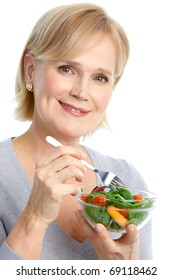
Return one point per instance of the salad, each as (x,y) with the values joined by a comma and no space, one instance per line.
(116,208)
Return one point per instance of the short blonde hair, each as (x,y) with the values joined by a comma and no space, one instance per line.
(60,34)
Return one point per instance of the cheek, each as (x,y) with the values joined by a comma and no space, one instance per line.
(102,100)
(48,84)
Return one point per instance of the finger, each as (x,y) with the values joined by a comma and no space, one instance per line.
(64,175)
(132,234)
(64,162)
(58,152)
(54,184)
(66,189)
(107,242)
(98,234)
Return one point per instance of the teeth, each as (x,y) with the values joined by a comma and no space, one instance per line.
(72,109)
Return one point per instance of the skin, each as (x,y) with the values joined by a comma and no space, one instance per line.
(76,94)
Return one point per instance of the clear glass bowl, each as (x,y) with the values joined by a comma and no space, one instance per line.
(116,209)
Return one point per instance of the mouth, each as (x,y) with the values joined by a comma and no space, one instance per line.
(74,110)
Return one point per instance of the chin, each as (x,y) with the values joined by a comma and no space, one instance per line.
(74,133)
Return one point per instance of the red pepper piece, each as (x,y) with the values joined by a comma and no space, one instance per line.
(98,189)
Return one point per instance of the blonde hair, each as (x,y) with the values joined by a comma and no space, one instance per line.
(60,34)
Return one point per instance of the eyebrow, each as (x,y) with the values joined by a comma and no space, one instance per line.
(105,71)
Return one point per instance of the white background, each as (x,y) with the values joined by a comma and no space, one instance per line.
(140,113)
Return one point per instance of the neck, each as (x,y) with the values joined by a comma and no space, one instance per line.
(36,138)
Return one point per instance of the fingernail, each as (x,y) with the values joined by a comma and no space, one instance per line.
(84,168)
(131,228)
(99,227)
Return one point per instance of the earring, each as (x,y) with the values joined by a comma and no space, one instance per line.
(29,87)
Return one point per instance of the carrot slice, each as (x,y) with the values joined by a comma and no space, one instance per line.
(117,216)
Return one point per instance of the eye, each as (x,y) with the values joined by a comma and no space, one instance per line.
(67,69)
(101,78)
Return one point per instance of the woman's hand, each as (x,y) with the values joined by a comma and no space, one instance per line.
(124,248)
(51,183)
(52,173)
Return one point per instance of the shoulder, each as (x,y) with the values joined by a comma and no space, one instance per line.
(6,153)
(7,163)
(4,159)
(5,145)
(121,167)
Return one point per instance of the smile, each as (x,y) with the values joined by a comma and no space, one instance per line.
(74,110)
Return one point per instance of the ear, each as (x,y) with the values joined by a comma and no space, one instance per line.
(29,67)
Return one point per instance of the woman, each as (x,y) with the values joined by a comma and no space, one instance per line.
(69,68)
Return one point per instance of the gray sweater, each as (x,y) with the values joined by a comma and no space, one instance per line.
(15,189)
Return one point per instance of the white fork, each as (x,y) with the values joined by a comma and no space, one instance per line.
(109,179)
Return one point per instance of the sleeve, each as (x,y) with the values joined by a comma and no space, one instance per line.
(6,253)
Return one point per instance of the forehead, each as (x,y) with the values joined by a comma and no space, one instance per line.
(99,51)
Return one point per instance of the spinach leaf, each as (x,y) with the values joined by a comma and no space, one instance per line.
(98,214)
(124,192)
(114,225)
(137,218)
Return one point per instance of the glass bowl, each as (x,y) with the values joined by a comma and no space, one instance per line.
(115,209)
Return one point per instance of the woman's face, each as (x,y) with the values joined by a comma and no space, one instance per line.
(71,96)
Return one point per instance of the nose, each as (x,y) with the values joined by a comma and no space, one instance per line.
(80,89)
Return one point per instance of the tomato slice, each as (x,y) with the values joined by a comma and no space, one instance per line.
(138,196)
(84,197)
(99,200)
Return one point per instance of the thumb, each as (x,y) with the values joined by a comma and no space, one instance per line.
(132,234)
